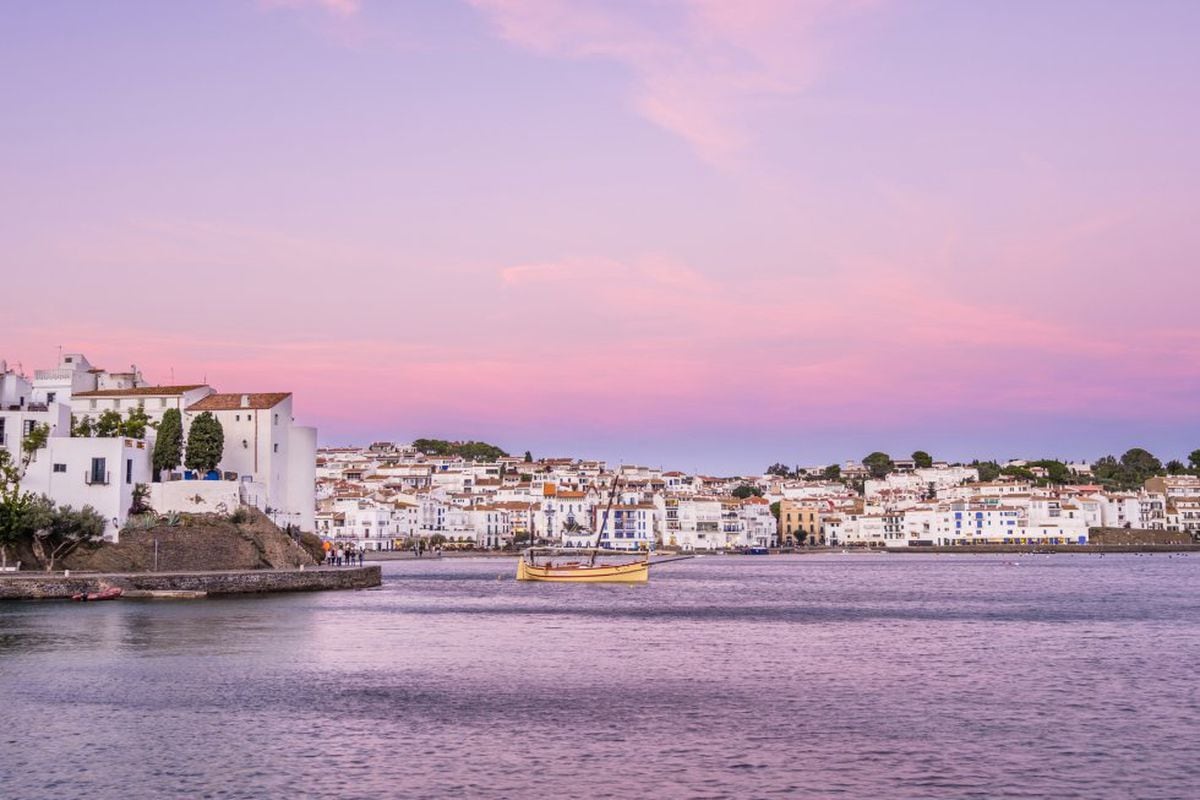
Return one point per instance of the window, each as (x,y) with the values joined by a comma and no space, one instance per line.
(50,396)
(276,448)
(60,467)
(99,471)
(117,403)
(91,403)
(162,402)
(141,403)
(28,426)
(237,417)
(276,419)
(129,470)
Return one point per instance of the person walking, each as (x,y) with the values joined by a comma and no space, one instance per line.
(360,558)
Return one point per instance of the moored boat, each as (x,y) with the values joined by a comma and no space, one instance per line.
(111,593)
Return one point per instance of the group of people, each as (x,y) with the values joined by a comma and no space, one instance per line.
(339,556)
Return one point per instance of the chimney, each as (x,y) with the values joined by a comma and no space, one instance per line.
(245,401)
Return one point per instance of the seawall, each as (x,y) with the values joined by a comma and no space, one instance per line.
(1038,549)
(56,585)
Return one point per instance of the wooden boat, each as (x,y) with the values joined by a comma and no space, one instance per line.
(528,568)
(111,593)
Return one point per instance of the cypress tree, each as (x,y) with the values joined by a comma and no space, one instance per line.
(168,448)
(205,443)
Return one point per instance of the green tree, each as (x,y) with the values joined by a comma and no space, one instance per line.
(779,470)
(477,451)
(832,473)
(205,443)
(1020,473)
(1108,472)
(1141,462)
(471,451)
(1194,460)
(139,501)
(746,490)
(528,457)
(134,426)
(34,440)
(878,464)
(21,512)
(83,427)
(1176,467)
(1056,471)
(432,447)
(988,470)
(67,529)
(922,459)
(109,424)
(168,447)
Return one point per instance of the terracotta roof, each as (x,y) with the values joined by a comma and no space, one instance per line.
(142,391)
(233,402)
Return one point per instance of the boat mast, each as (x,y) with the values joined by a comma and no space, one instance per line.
(612,495)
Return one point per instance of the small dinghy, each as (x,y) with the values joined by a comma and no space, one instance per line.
(111,593)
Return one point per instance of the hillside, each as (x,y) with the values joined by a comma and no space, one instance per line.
(199,542)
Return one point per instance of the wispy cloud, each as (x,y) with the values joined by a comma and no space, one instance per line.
(696,65)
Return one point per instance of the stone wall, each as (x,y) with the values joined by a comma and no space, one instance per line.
(47,586)
(1136,536)
(195,497)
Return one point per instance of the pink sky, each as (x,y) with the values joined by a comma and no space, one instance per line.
(690,233)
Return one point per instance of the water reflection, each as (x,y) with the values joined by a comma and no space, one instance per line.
(866,676)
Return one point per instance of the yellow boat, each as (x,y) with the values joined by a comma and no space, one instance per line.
(578,572)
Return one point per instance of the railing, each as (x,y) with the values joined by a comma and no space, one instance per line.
(92,479)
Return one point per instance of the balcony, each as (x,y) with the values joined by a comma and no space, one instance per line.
(95,479)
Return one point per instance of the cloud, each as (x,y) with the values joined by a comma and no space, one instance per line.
(697,66)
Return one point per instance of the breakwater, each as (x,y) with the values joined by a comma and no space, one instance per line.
(57,585)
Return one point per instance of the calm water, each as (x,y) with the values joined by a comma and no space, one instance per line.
(855,676)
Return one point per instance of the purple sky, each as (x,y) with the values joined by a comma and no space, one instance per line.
(706,235)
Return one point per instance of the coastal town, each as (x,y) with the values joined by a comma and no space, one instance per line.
(86,437)
(387,496)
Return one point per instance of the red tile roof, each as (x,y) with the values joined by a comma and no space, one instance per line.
(232,402)
(142,391)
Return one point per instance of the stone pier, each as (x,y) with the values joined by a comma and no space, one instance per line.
(57,585)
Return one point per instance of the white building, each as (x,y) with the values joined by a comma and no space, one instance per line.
(264,445)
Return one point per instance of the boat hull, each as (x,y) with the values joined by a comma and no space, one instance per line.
(638,572)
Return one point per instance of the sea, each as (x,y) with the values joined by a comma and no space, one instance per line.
(822,676)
